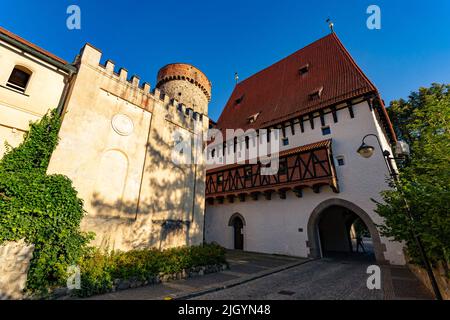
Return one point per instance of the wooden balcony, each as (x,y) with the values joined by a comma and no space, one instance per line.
(309,166)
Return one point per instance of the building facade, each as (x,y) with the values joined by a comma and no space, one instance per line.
(323,105)
(32,81)
(116,140)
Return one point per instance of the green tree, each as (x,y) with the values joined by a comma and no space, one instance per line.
(42,209)
(424,122)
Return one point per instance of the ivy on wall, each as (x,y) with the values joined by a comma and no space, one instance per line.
(42,209)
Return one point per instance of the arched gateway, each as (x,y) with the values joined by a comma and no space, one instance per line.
(324,211)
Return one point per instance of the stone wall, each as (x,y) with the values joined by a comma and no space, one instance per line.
(116,145)
(14,264)
(441,278)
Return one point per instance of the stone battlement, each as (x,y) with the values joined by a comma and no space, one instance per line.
(140,94)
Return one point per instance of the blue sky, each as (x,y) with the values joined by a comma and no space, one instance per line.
(412,49)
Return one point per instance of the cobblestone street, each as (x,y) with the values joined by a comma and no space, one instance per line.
(269,277)
(320,279)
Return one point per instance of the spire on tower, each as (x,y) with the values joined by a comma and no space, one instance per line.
(330,25)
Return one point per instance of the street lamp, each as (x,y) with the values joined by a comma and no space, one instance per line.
(402,151)
(366,151)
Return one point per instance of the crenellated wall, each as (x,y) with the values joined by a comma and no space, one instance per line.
(116,144)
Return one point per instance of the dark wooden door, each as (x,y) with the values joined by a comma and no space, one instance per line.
(238,234)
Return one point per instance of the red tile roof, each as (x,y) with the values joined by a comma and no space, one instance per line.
(31,45)
(280,92)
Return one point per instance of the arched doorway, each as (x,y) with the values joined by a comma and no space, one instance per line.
(332,231)
(237,222)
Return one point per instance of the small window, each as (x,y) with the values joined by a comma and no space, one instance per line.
(220,178)
(340,161)
(283,167)
(19,78)
(248,173)
(326,130)
(239,100)
(285,141)
(213,153)
(253,118)
(316,94)
(303,69)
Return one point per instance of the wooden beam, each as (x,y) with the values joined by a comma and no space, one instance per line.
(302,126)
(333,111)
(268,195)
(298,192)
(311,120)
(350,109)
(322,118)
(254,195)
(316,188)
(292,127)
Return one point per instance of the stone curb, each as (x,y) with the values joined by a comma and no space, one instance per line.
(125,284)
(236,282)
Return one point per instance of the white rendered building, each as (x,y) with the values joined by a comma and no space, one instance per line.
(323,105)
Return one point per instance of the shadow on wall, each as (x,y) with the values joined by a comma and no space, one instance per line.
(163,216)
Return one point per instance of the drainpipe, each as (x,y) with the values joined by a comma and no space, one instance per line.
(65,93)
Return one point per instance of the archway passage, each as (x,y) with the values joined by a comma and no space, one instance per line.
(339,228)
(340,238)
(238,227)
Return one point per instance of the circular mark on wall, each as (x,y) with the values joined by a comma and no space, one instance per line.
(122,124)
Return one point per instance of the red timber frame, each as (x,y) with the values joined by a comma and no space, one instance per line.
(302,167)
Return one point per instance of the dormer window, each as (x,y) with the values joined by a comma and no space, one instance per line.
(316,94)
(304,69)
(239,100)
(253,118)
(19,78)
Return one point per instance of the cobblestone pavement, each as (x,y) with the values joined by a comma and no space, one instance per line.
(330,279)
(263,276)
(244,266)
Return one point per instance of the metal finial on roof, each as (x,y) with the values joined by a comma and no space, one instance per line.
(236,77)
(330,25)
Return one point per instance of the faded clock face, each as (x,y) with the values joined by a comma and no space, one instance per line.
(122,124)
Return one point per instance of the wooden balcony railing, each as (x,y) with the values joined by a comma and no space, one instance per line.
(302,167)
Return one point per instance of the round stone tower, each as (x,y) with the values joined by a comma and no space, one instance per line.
(186,84)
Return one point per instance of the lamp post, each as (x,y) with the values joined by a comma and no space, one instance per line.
(366,151)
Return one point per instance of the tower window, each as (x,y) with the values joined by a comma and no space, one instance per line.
(285,141)
(19,78)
